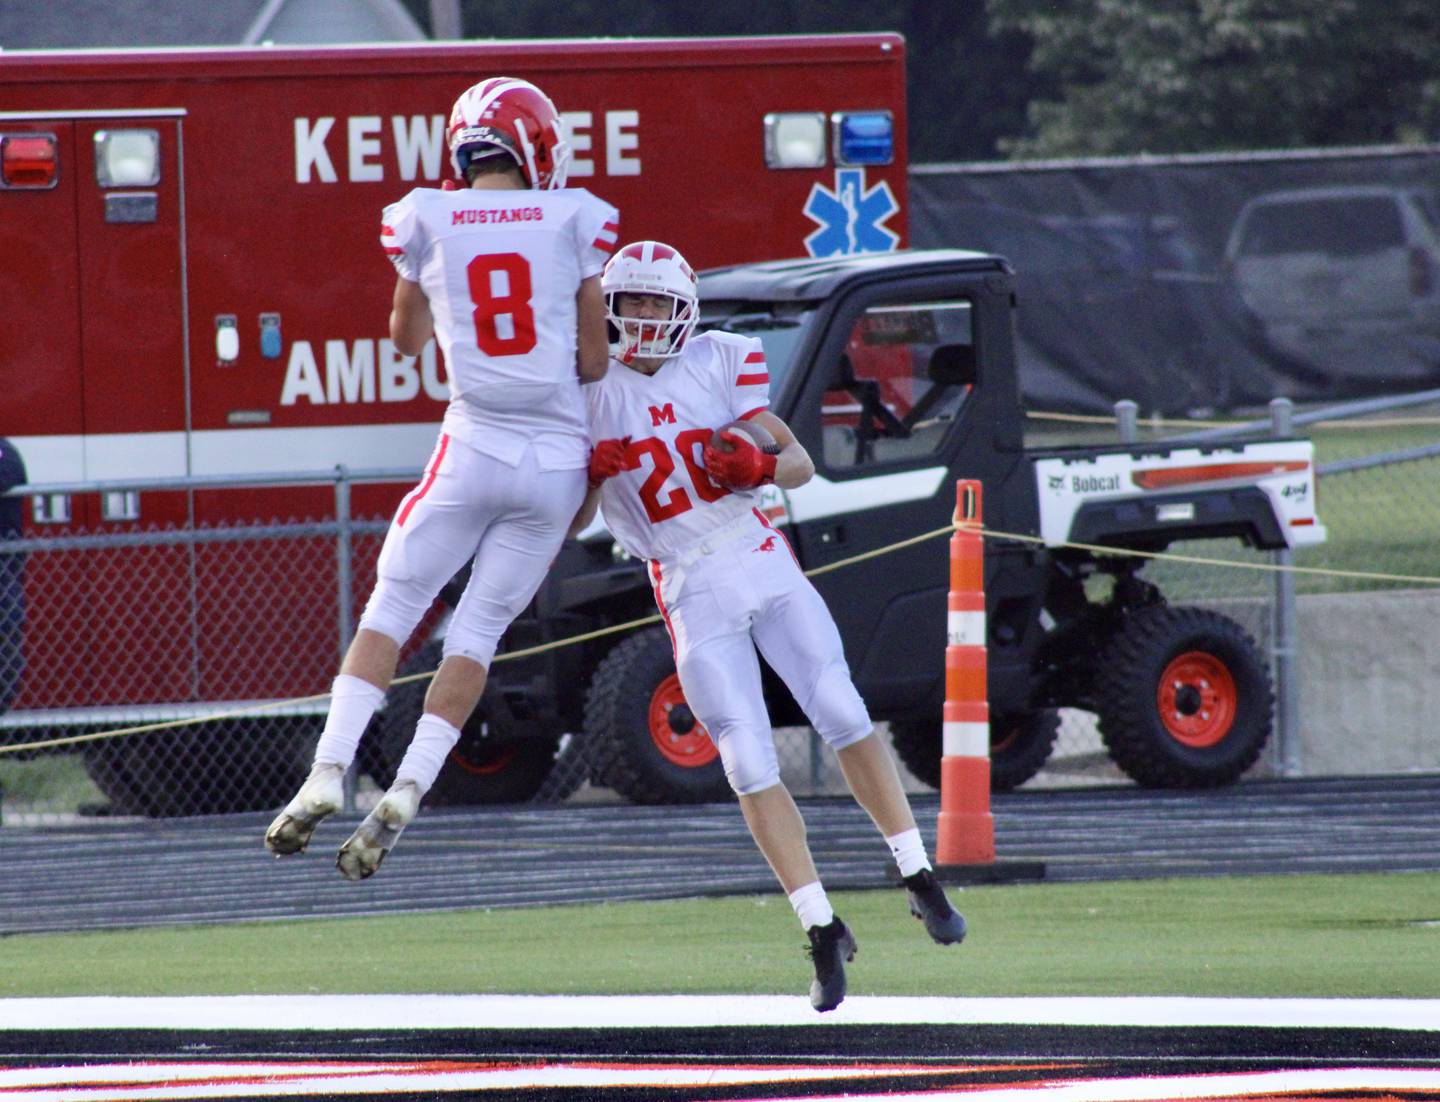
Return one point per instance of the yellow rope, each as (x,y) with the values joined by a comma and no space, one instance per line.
(251,709)
(955,524)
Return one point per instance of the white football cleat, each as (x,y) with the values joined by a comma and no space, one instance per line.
(322,794)
(376,836)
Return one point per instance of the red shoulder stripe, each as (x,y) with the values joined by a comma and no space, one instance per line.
(752,380)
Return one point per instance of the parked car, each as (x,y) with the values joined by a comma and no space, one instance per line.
(1345,279)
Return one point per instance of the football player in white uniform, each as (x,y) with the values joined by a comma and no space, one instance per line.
(726,582)
(506,274)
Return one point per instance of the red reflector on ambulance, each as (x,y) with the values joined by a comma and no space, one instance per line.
(28,160)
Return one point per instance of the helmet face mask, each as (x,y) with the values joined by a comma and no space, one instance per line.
(653,269)
(515,117)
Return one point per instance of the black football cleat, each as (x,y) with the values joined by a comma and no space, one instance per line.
(830,947)
(944,924)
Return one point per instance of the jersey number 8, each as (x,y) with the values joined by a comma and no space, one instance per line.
(500,289)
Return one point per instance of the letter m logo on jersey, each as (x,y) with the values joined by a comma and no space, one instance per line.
(851,218)
(662,415)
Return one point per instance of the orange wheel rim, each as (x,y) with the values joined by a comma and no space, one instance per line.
(1197,699)
(485,766)
(687,748)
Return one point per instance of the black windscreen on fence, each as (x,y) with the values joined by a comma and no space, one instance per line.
(1201,284)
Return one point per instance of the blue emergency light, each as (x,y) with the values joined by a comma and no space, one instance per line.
(863,137)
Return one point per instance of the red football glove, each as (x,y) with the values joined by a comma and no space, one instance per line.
(742,469)
(607,459)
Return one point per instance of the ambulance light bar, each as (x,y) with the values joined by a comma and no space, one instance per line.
(797,139)
(29,161)
(127,158)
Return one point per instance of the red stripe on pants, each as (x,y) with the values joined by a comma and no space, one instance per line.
(429,480)
(655,580)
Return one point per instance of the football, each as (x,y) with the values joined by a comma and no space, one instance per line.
(759,436)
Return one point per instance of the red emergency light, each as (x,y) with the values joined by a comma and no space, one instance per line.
(29,160)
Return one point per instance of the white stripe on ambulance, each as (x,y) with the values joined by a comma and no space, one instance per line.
(416,147)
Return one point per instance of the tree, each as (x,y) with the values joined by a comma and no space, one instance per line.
(967,88)
(1184,76)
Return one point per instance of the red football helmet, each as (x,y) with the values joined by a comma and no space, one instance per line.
(514,116)
(651,268)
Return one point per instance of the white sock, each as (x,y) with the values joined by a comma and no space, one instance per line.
(353,701)
(433,741)
(908,849)
(812,906)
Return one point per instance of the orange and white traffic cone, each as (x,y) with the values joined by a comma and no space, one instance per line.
(965,834)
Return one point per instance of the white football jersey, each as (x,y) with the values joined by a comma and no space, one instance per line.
(667,502)
(501,269)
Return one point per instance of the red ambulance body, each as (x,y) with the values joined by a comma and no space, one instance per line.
(192,285)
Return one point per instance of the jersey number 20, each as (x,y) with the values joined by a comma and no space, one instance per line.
(688,445)
(500,289)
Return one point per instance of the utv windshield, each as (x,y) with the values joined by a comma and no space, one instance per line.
(780,334)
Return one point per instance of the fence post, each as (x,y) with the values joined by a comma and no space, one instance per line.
(1283,632)
(344,588)
(1127,415)
(344,564)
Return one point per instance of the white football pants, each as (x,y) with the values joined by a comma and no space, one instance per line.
(511,519)
(740,588)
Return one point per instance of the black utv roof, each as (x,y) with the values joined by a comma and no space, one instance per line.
(812,278)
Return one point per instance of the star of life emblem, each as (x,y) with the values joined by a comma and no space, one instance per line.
(851,217)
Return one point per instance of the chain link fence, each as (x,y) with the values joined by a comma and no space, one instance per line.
(107,631)
(155,625)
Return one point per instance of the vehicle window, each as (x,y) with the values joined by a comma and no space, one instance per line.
(780,335)
(1337,227)
(892,397)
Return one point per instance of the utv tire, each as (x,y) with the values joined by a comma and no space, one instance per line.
(481,769)
(205,769)
(918,745)
(640,735)
(1020,745)
(1184,698)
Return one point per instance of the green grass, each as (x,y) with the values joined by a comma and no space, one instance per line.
(57,782)
(1353,936)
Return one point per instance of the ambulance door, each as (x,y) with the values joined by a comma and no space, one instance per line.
(41,401)
(130,270)
(40,300)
